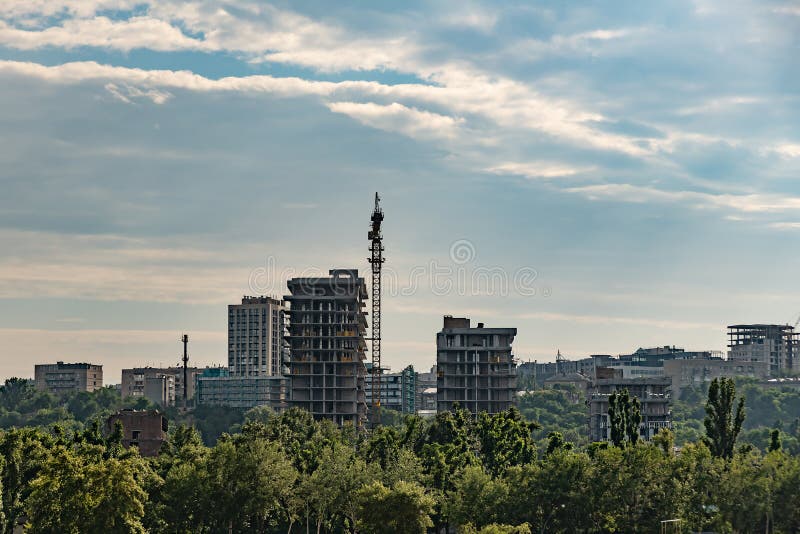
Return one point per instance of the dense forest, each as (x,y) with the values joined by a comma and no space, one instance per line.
(286,472)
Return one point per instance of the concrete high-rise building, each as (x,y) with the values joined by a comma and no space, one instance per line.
(255,337)
(654,401)
(775,344)
(327,324)
(475,367)
(59,378)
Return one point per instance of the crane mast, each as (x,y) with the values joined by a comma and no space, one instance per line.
(376,260)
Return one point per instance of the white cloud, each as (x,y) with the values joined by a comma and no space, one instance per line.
(137,32)
(747,203)
(399,118)
(128,92)
(537,169)
(787,150)
(785,225)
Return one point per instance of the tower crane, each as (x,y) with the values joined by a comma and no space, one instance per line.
(376,260)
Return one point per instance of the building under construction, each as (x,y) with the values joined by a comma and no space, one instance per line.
(774,344)
(475,367)
(327,324)
(654,403)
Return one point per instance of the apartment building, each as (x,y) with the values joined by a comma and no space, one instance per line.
(60,378)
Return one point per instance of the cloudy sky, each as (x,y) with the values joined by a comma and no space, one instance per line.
(600,175)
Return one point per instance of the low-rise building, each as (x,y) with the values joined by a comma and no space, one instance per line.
(143,429)
(134,380)
(60,378)
(243,391)
(654,399)
(685,373)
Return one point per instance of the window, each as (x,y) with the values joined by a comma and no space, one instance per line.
(136,434)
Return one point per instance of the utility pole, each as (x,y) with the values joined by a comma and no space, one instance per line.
(185,340)
(376,260)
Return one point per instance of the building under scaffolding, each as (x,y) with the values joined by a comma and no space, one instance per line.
(327,324)
(774,344)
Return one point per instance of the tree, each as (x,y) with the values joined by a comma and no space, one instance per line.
(555,442)
(775,440)
(331,489)
(14,391)
(505,440)
(402,509)
(476,499)
(624,418)
(721,423)
(76,493)
(246,479)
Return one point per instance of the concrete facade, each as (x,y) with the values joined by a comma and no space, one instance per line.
(685,373)
(475,367)
(60,378)
(774,344)
(134,381)
(327,324)
(654,398)
(255,337)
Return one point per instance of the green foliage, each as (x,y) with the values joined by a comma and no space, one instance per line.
(624,417)
(562,410)
(76,493)
(286,472)
(404,508)
(722,424)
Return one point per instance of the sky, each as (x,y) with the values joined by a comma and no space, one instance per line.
(602,176)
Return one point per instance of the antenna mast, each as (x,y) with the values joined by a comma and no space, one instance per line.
(376,260)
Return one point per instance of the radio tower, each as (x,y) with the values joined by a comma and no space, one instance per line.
(376,260)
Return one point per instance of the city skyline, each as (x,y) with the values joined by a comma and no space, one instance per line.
(163,159)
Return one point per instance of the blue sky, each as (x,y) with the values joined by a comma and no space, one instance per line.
(615,174)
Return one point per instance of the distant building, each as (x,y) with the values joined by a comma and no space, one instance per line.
(398,390)
(575,383)
(685,373)
(562,366)
(475,367)
(143,429)
(426,393)
(255,337)
(160,389)
(60,378)
(654,398)
(134,381)
(774,344)
(327,324)
(243,391)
